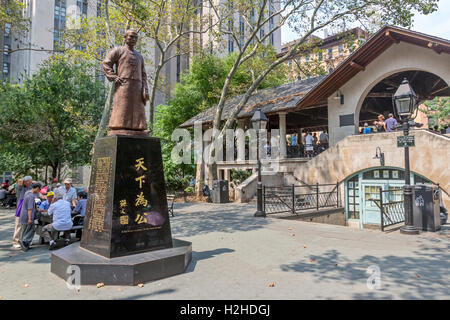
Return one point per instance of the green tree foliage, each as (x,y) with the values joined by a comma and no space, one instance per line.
(11,14)
(52,119)
(199,89)
(439,109)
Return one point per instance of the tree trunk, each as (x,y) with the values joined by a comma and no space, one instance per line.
(199,179)
(153,92)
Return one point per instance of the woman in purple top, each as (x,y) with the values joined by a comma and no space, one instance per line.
(23,185)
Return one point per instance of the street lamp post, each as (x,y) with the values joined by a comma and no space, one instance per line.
(405,103)
(259,122)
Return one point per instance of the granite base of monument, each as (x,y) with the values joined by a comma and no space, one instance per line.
(126,270)
(126,237)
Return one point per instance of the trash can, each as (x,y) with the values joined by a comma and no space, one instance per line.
(220,191)
(426,207)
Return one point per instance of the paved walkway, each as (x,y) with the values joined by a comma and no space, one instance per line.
(236,256)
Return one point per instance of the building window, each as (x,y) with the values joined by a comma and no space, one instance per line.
(230,45)
(261,33)
(82,6)
(6,49)
(5,69)
(271,11)
(320,56)
(341,49)
(59,23)
(353,197)
(330,53)
(330,70)
(272,41)
(99,8)
(178,63)
(7,29)
(241,30)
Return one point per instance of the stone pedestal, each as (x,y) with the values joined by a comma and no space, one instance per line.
(126,270)
(126,216)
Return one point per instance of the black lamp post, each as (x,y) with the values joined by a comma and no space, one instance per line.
(259,122)
(405,103)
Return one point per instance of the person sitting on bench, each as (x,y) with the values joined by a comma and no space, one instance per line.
(81,207)
(62,220)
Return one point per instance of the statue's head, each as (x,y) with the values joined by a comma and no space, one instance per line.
(131,37)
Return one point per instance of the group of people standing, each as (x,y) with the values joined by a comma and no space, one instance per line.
(56,201)
(312,145)
(381,125)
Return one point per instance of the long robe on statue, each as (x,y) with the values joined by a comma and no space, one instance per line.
(129,104)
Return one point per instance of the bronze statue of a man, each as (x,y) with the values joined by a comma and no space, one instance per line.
(131,90)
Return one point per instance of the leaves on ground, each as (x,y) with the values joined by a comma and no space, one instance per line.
(292,234)
(271,284)
(26,285)
(140,285)
(419,276)
(101,284)
(119,289)
(313,260)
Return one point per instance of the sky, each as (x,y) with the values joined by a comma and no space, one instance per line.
(435,24)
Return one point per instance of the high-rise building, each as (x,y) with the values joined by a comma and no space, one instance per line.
(49,19)
(5,57)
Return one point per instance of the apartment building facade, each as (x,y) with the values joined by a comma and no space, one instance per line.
(324,54)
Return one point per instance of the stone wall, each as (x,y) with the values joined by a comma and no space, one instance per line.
(333,216)
(429,158)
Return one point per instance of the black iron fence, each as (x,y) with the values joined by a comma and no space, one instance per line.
(391,204)
(294,198)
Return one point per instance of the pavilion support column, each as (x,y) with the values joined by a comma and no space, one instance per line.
(240,142)
(228,175)
(282,126)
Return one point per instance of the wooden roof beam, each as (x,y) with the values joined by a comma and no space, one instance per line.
(439,90)
(379,95)
(356,65)
(390,36)
(435,47)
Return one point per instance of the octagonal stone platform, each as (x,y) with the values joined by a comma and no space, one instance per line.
(127,270)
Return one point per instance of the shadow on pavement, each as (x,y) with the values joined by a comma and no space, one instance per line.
(218,218)
(203,255)
(424,275)
(149,295)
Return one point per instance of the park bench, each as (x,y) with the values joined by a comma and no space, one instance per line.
(77,229)
(170,200)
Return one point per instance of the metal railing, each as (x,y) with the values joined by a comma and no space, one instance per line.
(294,199)
(392,210)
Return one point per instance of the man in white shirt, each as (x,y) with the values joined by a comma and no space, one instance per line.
(62,220)
(69,193)
(309,139)
(309,148)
